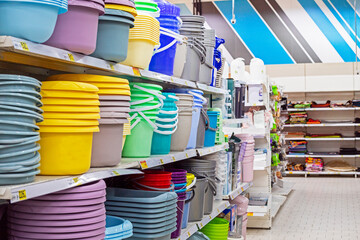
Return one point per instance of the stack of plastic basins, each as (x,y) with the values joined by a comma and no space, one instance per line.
(35,13)
(146,101)
(19,112)
(166,125)
(179,180)
(113,35)
(199,100)
(77,29)
(117,228)
(202,168)
(114,94)
(153,180)
(71,113)
(248,162)
(75,213)
(153,214)
(164,57)
(242,204)
(180,137)
(217,229)
(210,133)
(190,178)
(193,28)
(142,40)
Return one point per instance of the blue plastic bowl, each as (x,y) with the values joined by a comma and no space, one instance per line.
(18,168)
(12,77)
(18,147)
(13,109)
(154,225)
(12,137)
(19,98)
(170,225)
(119,236)
(141,215)
(24,107)
(33,21)
(28,162)
(19,156)
(19,86)
(18,178)
(116,225)
(21,117)
(25,92)
(17,126)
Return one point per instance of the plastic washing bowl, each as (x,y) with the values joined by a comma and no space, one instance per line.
(18,178)
(115,225)
(19,86)
(119,236)
(140,206)
(6,149)
(28,162)
(28,20)
(21,117)
(17,126)
(12,77)
(19,156)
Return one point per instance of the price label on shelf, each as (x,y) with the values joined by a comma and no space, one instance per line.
(250,214)
(115,173)
(136,72)
(161,161)
(71,57)
(143,164)
(21,46)
(173,158)
(22,195)
(189,234)
(242,189)
(187,155)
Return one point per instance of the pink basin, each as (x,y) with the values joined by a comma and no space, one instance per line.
(49,236)
(101,236)
(73,196)
(54,210)
(41,203)
(91,187)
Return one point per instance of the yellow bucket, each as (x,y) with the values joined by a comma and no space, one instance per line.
(68,122)
(88,78)
(123,8)
(76,109)
(139,53)
(69,86)
(63,115)
(65,153)
(69,129)
(189,178)
(68,94)
(69,101)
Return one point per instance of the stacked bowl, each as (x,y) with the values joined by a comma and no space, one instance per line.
(113,34)
(193,29)
(146,101)
(153,214)
(217,229)
(248,161)
(114,94)
(77,29)
(75,213)
(32,20)
(180,138)
(117,228)
(19,112)
(154,180)
(206,68)
(71,113)
(142,41)
(164,57)
(123,5)
(166,125)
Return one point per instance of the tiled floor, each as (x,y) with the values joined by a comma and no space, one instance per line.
(317,209)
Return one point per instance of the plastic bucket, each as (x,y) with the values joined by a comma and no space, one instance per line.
(189,196)
(247,171)
(107,145)
(76,30)
(138,144)
(139,53)
(113,38)
(180,138)
(197,204)
(163,60)
(200,138)
(194,128)
(210,133)
(179,216)
(205,75)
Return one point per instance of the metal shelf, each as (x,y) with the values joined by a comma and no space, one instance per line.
(243,187)
(324,125)
(38,56)
(323,139)
(323,156)
(210,150)
(323,109)
(320,173)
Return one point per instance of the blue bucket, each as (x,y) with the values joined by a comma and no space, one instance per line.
(163,62)
(210,134)
(185,219)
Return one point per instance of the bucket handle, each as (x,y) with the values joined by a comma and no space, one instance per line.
(173,97)
(169,33)
(166,132)
(169,112)
(138,120)
(192,184)
(168,119)
(192,196)
(146,108)
(197,48)
(142,101)
(160,96)
(207,123)
(199,96)
(168,125)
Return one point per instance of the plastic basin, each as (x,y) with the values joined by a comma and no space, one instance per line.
(33,21)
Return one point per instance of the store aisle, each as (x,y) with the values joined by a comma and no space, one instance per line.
(317,209)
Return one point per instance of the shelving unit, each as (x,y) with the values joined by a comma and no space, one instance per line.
(321,173)
(324,125)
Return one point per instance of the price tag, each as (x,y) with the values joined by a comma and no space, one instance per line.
(171,80)
(143,164)
(187,155)
(161,161)
(115,173)
(201,225)
(22,195)
(71,57)
(186,83)
(24,46)
(250,214)
(242,189)
(136,72)
(75,179)
(189,234)
(173,158)
(290,172)
(210,217)
(112,67)
(218,210)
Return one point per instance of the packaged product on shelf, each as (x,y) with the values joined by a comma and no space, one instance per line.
(314,164)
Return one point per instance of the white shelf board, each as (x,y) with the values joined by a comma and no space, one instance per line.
(276,203)
(323,109)
(19,51)
(188,232)
(284,191)
(210,150)
(323,156)
(243,187)
(219,206)
(323,139)
(320,173)
(324,125)
(49,184)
